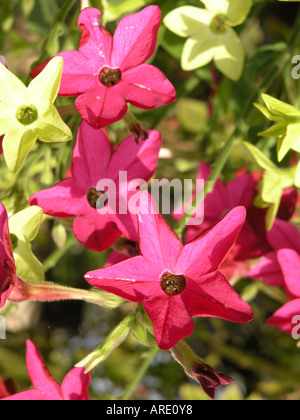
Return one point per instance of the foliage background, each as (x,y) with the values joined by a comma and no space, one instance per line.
(264,361)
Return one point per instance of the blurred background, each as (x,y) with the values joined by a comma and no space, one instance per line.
(264,362)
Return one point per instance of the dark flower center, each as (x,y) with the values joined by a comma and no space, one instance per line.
(27,115)
(218,24)
(110,77)
(93,196)
(172,284)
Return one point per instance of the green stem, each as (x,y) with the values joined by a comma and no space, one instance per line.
(140,373)
(277,68)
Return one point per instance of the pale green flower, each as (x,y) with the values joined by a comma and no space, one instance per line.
(286,127)
(27,114)
(210,34)
(275,180)
(23,228)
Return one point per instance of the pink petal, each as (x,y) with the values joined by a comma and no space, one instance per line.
(79,75)
(8,277)
(1,140)
(75,385)
(268,271)
(102,106)
(214,297)
(171,319)
(63,200)
(158,243)
(138,160)
(204,255)
(146,87)
(284,317)
(95,231)
(96,42)
(133,279)
(39,374)
(284,235)
(289,261)
(135,38)
(32,395)
(204,171)
(91,157)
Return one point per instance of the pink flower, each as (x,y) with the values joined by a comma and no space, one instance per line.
(73,388)
(109,72)
(3,62)
(282,269)
(268,270)
(93,161)
(289,261)
(176,282)
(8,276)
(241,191)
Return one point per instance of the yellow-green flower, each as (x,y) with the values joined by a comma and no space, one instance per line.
(23,228)
(27,114)
(275,180)
(210,34)
(286,127)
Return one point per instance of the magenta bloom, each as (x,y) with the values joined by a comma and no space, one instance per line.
(94,160)
(8,276)
(109,72)
(241,191)
(176,282)
(73,388)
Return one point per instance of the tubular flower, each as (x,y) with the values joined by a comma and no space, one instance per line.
(210,34)
(9,281)
(109,72)
(176,282)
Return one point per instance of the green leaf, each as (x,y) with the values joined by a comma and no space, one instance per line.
(25,226)
(114,9)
